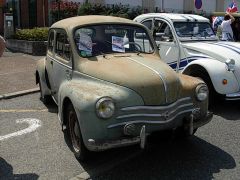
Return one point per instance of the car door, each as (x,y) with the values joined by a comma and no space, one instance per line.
(168,46)
(62,64)
(49,60)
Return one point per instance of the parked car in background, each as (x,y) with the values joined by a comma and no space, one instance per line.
(189,45)
(111,89)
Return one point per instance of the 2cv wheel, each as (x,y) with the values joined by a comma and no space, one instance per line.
(75,135)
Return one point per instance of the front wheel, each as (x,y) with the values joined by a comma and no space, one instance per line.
(75,135)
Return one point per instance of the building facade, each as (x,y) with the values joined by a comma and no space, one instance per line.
(26,13)
(37,13)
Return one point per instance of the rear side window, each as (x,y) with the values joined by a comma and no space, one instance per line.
(62,47)
(148,24)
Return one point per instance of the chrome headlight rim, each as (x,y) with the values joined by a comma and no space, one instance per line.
(201,92)
(105,107)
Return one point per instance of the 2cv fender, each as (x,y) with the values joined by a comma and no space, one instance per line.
(214,73)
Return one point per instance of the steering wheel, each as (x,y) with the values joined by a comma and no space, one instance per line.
(137,47)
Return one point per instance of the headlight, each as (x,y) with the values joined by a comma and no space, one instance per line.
(201,92)
(230,64)
(105,107)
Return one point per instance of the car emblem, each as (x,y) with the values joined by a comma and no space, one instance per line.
(165,115)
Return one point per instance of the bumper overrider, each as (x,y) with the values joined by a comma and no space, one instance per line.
(140,121)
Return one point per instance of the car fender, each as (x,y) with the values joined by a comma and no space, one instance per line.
(83,94)
(40,76)
(217,72)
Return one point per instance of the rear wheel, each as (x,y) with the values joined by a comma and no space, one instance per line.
(46,99)
(75,135)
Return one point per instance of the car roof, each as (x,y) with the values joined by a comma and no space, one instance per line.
(72,22)
(175,17)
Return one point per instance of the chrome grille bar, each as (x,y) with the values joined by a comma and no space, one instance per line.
(153,114)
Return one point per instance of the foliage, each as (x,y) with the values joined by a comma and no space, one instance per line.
(63,9)
(114,10)
(36,34)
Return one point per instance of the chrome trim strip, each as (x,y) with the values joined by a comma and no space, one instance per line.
(153,107)
(59,62)
(164,83)
(154,115)
(149,122)
(233,96)
(94,145)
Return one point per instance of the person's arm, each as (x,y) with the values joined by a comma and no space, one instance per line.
(232,18)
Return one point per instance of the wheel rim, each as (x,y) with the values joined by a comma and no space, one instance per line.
(74,131)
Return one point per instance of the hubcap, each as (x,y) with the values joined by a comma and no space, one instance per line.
(74,131)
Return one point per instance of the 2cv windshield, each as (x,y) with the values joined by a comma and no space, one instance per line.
(108,39)
(194,30)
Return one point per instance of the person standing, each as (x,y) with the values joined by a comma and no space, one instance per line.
(227,32)
(2,45)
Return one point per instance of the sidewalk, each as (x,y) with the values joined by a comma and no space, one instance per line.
(17,74)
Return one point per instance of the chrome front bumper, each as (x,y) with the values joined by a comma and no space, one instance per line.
(100,145)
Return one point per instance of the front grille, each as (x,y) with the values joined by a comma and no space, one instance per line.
(154,114)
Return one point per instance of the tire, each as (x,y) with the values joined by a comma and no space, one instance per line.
(74,134)
(212,93)
(46,99)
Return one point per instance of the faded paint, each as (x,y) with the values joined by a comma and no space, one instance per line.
(129,79)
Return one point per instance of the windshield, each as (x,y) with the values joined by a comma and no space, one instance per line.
(194,30)
(106,39)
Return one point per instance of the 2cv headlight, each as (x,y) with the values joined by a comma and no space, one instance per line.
(105,107)
(201,92)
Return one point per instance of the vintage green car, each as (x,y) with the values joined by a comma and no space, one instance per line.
(111,89)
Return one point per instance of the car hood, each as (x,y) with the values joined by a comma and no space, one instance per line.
(219,50)
(151,78)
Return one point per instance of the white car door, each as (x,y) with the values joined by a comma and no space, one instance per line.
(168,46)
(62,67)
(50,61)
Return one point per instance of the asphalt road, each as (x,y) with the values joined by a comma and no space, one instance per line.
(32,146)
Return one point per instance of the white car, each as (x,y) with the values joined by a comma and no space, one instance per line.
(189,45)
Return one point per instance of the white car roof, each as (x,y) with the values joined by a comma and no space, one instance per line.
(173,17)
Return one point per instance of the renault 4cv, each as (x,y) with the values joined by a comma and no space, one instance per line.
(111,89)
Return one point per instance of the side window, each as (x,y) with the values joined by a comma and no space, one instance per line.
(50,41)
(162,31)
(62,47)
(148,24)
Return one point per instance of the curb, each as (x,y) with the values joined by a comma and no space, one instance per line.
(19,93)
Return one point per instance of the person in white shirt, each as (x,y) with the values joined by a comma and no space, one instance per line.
(227,32)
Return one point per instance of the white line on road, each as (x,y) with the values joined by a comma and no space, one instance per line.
(33,125)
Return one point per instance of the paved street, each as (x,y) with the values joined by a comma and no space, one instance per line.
(17,72)
(40,152)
